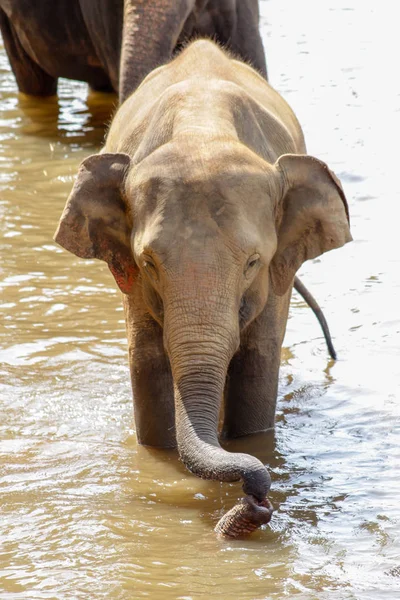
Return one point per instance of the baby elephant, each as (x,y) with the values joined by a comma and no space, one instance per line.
(204,204)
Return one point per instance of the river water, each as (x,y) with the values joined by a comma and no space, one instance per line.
(85,512)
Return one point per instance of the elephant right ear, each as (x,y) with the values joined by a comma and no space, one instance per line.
(313,216)
(96,222)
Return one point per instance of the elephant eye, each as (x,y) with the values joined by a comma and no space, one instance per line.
(148,264)
(252,263)
(150,267)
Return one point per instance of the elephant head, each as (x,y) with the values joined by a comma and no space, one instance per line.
(207,242)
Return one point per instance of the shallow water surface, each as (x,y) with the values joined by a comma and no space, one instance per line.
(85,512)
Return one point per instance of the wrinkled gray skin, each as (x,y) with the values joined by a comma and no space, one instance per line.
(114,44)
(204,204)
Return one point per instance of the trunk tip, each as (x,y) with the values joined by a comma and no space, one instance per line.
(256,484)
(244,518)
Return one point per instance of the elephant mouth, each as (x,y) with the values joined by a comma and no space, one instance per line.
(245,517)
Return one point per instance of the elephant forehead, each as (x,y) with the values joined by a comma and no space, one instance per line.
(224,193)
(200,161)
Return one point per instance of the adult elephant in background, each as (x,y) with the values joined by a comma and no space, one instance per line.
(114,44)
(204,204)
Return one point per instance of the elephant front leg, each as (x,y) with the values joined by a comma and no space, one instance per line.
(252,383)
(152,386)
(246,40)
(30,77)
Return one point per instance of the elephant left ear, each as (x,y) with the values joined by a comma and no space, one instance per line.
(96,222)
(313,216)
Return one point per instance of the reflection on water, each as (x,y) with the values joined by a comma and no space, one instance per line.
(86,513)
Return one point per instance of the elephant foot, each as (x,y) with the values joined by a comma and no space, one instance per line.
(244,518)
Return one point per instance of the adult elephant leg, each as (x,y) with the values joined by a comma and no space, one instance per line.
(246,40)
(252,383)
(30,77)
(103,20)
(150,33)
(152,386)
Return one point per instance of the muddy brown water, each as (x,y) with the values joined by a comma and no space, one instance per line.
(85,512)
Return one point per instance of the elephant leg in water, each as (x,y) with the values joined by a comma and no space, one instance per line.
(254,370)
(31,78)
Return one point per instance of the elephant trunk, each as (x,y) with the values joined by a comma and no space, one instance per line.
(197,402)
(151,30)
(199,368)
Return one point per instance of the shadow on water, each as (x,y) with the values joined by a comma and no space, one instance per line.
(69,119)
